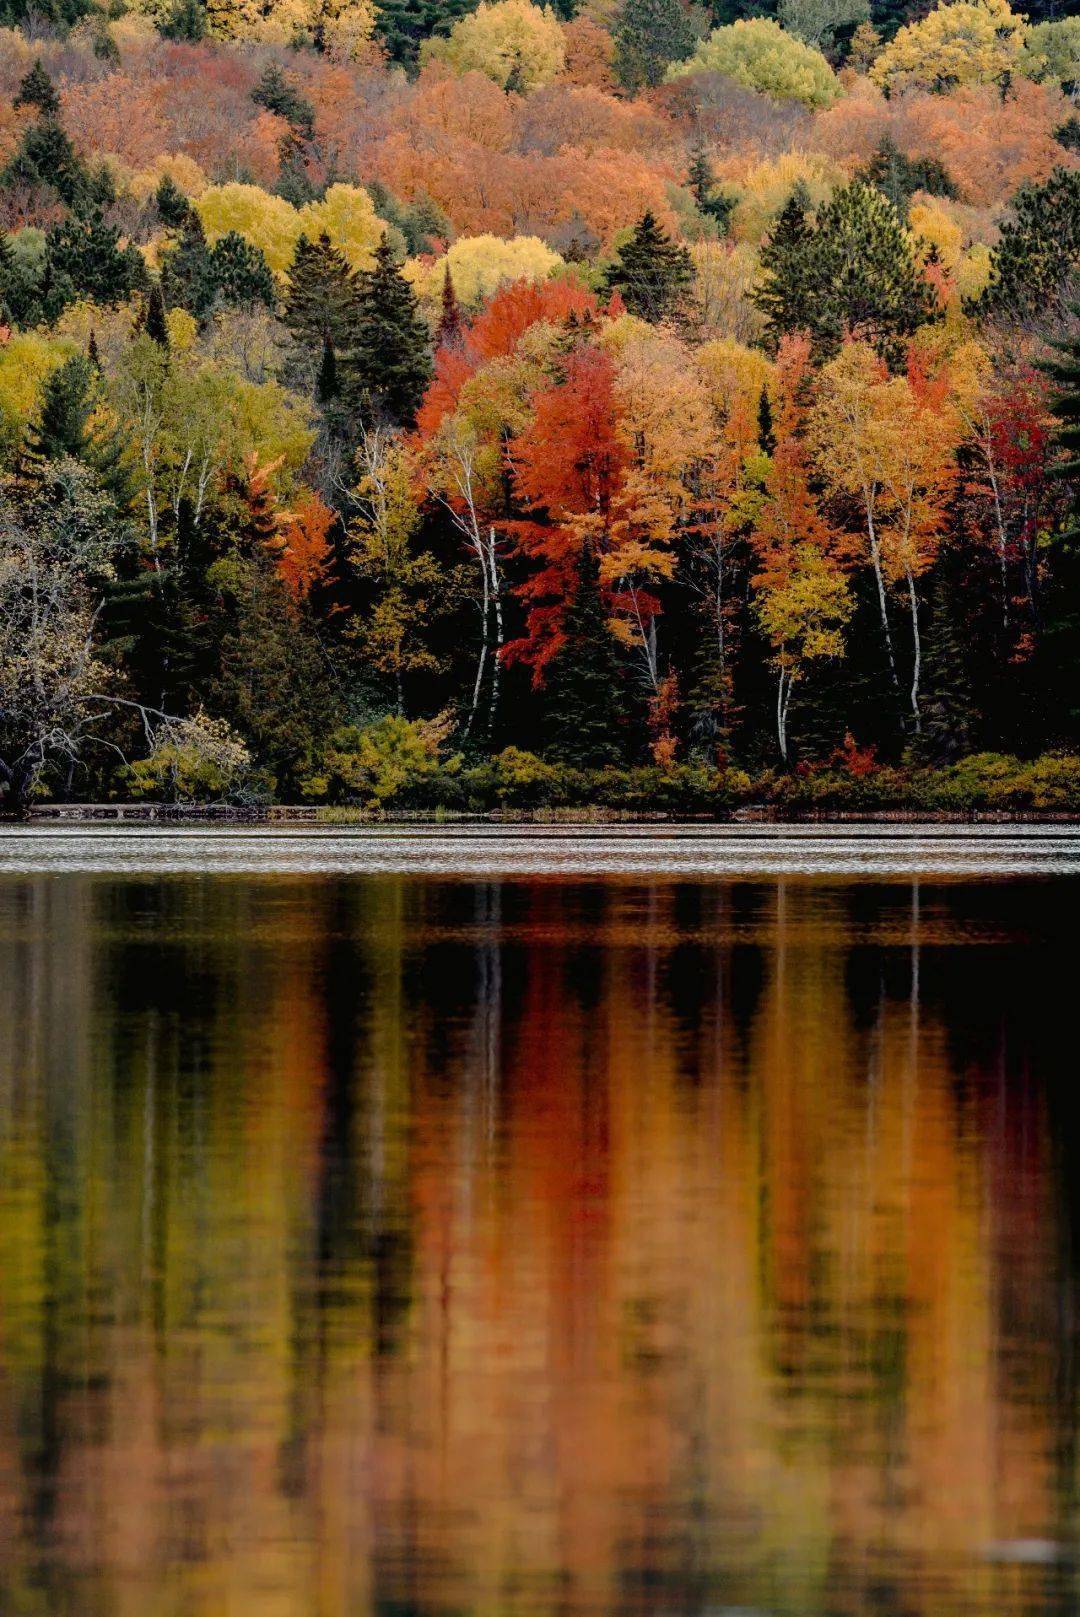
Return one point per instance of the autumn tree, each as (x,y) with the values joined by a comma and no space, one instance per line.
(964,42)
(584,709)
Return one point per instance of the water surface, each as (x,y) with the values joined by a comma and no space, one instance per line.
(535,1245)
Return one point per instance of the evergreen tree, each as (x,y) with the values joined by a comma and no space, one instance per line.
(388,363)
(854,270)
(278,94)
(899,177)
(37,90)
(187,279)
(154,321)
(1068,134)
(1064,371)
(402,25)
(171,203)
(321,304)
(1038,254)
(240,277)
(63,430)
(653,273)
(649,36)
(45,160)
(584,711)
(448,332)
(83,259)
(766,436)
(186,21)
(421,223)
(701,182)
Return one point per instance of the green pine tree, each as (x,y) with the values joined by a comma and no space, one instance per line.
(701,183)
(64,430)
(853,271)
(653,273)
(403,25)
(1064,371)
(84,259)
(239,274)
(898,177)
(279,94)
(186,21)
(388,362)
(187,276)
(448,332)
(649,36)
(154,322)
(1038,252)
(37,90)
(320,296)
(583,708)
(171,203)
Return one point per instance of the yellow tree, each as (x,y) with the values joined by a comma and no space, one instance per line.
(406,581)
(967,42)
(890,443)
(802,599)
(802,610)
(519,45)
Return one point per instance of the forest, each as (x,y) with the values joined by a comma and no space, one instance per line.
(631,403)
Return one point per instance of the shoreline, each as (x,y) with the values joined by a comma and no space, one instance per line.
(309,816)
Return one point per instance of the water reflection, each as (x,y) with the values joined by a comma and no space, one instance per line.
(416,1247)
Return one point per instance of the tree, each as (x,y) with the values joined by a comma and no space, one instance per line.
(448,332)
(155,321)
(58,547)
(584,709)
(898,177)
(802,608)
(403,25)
(409,585)
(821,22)
(701,183)
(279,94)
(649,36)
(855,271)
(757,52)
(517,44)
(652,272)
(1065,373)
(388,363)
(321,306)
(84,259)
(481,264)
(37,90)
(239,274)
(171,203)
(1038,253)
(965,42)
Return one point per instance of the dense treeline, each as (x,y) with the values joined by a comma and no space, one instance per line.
(434,403)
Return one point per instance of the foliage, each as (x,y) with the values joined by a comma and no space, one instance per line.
(758,53)
(1039,250)
(963,42)
(517,44)
(649,36)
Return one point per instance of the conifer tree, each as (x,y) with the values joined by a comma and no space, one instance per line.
(240,277)
(171,203)
(187,280)
(321,296)
(278,94)
(186,21)
(402,25)
(37,90)
(649,36)
(1039,250)
(583,707)
(388,364)
(899,177)
(1064,371)
(449,329)
(701,183)
(83,258)
(63,430)
(154,321)
(653,273)
(853,271)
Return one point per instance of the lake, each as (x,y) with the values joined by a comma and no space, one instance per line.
(539,1224)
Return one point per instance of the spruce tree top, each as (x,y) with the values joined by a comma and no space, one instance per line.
(652,273)
(37,90)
